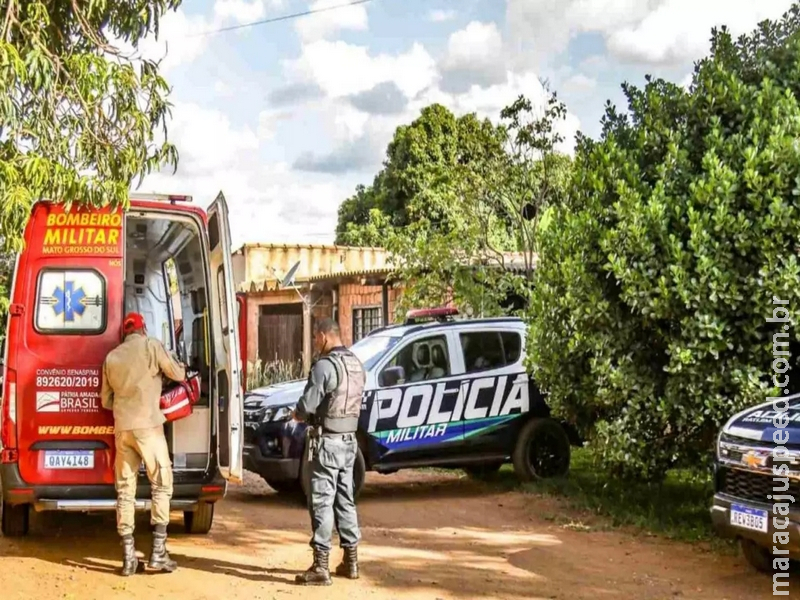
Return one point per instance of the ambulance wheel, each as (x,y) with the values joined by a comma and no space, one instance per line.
(15,519)
(542,451)
(359,474)
(759,558)
(199,521)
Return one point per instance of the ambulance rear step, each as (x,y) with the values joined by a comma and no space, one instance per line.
(92,505)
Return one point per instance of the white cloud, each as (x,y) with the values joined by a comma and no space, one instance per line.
(223,89)
(323,24)
(269,202)
(342,69)
(240,11)
(475,54)
(579,83)
(339,136)
(207,140)
(440,16)
(178,41)
(541,29)
(642,31)
(669,36)
(594,63)
(180,38)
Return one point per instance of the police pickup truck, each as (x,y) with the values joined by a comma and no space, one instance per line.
(447,394)
(757,482)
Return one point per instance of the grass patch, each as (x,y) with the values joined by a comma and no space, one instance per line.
(260,374)
(677,509)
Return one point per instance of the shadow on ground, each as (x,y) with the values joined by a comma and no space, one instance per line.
(449,536)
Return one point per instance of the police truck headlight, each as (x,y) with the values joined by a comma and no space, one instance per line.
(283,413)
(278,414)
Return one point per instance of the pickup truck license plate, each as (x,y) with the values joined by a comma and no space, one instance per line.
(749,518)
(69,459)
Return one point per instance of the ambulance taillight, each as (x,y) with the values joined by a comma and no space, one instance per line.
(8,425)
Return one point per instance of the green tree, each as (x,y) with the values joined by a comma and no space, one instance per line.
(78,118)
(656,277)
(6,274)
(419,161)
(472,213)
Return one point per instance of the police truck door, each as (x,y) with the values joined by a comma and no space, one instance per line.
(228,401)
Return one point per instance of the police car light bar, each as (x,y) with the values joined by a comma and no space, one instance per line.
(173,198)
(438,314)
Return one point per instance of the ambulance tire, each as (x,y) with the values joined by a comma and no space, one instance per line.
(542,451)
(359,474)
(15,519)
(199,521)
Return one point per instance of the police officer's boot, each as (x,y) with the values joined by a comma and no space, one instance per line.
(318,573)
(349,565)
(159,557)
(130,564)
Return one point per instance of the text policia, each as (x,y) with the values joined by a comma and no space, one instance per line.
(82,233)
(780,455)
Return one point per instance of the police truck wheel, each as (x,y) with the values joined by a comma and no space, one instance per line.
(15,519)
(199,521)
(759,558)
(359,475)
(542,451)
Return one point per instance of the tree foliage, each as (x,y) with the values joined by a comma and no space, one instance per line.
(78,118)
(658,274)
(419,162)
(456,195)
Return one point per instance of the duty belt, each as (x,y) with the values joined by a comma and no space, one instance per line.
(314,434)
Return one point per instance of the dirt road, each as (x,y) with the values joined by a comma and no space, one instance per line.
(426,535)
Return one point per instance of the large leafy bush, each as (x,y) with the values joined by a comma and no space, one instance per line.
(658,274)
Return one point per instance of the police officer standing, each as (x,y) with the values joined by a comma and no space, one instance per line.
(331,405)
(131,388)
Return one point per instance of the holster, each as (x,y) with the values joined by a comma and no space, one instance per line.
(313,442)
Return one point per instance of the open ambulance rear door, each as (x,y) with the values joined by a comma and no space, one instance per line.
(228,396)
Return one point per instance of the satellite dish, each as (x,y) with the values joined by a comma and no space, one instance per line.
(288,281)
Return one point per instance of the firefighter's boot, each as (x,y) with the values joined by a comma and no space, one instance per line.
(130,564)
(349,565)
(159,557)
(318,573)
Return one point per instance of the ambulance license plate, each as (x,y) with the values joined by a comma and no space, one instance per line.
(69,459)
(749,518)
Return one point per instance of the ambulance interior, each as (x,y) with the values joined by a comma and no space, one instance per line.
(165,282)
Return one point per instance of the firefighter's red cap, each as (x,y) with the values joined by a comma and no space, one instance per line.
(132,322)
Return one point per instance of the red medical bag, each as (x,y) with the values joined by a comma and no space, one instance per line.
(178,400)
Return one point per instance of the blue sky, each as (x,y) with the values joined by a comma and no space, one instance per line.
(287,118)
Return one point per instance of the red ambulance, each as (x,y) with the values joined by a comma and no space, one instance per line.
(80,272)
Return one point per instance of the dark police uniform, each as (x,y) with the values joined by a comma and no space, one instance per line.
(331,403)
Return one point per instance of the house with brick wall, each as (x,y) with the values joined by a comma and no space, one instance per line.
(352,285)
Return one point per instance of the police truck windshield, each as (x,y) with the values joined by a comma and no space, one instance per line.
(371,348)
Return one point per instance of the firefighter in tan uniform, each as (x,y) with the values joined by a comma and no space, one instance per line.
(132,389)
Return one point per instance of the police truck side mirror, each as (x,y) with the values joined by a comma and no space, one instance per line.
(392,376)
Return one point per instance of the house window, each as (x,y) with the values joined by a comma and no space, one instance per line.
(365,319)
